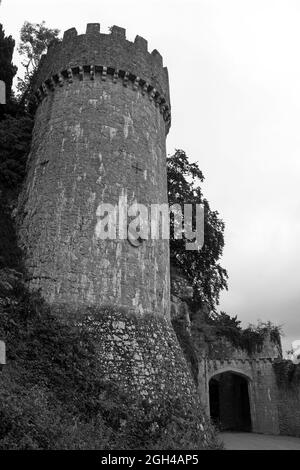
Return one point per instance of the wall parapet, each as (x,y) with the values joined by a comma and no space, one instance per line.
(113,49)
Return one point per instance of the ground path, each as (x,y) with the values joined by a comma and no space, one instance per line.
(252,441)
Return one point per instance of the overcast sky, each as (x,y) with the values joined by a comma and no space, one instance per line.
(234,68)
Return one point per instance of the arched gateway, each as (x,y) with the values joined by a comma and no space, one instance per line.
(229,403)
(239,393)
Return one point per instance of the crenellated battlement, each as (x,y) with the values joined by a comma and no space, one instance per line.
(116,33)
(100,133)
(113,51)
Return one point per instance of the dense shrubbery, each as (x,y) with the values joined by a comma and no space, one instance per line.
(250,339)
(15,140)
(287,374)
(52,395)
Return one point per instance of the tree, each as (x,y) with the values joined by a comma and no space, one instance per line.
(15,125)
(7,69)
(34,40)
(200,267)
(15,140)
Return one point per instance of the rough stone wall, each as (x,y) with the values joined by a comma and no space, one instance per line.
(143,356)
(98,135)
(288,397)
(100,130)
(262,388)
(219,355)
(111,50)
(181,291)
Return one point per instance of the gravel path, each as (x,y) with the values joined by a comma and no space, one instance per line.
(252,441)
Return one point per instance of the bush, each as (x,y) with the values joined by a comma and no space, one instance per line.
(52,395)
(250,339)
(15,141)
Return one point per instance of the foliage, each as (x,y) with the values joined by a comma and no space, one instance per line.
(10,254)
(34,40)
(251,339)
(51,392)
(35,37)
(201,267)
(15,125)
(15,141)
(52,395)
(287,374)
(262,329)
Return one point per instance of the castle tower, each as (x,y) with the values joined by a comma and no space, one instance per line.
(99,135)
(102,118)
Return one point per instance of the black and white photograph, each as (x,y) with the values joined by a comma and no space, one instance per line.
(149,229)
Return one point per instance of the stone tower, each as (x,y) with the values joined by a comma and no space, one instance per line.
(100,128)
(103,113)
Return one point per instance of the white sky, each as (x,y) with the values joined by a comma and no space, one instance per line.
(234,68)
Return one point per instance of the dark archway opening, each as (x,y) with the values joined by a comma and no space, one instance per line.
(229,402)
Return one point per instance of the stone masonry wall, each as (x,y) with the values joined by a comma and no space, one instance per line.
(102,117)
(288,397)
(142,356)
(262,388)
(97,137)
(218,355)
(111,50)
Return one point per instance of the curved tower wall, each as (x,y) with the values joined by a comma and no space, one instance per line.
(100,128)
(102,116)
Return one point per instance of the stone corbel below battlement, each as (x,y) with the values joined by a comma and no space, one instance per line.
(92,71)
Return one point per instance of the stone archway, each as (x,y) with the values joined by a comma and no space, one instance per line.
(229,400)
(261,386)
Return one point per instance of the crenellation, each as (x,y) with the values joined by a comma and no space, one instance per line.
(111,50)
(118,32)
(141,43)
(69,35)
(93,29)
(157,56)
